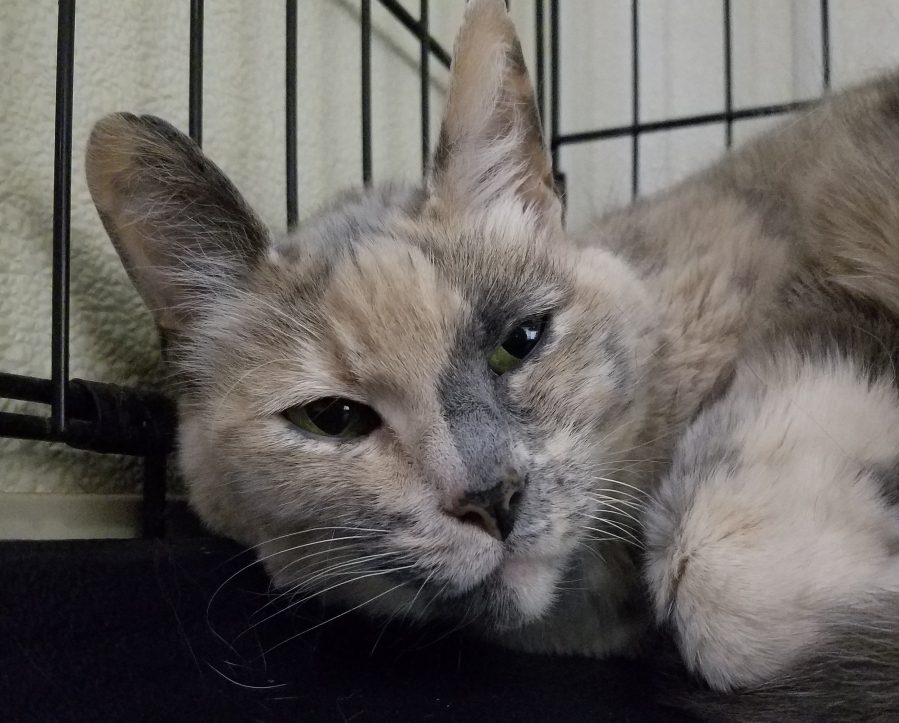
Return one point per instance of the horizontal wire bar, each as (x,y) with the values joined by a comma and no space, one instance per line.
(26,389)
(102,417)
(26,426)
(40,429)
(697,120)
(411,24)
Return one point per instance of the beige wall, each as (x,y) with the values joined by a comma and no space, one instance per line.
(132,55)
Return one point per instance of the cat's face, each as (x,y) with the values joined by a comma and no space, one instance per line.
(405,321)
(413,400)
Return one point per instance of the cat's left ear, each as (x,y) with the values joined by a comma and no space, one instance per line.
(491,146)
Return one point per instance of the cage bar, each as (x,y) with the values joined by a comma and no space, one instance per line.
(365,23)
(728,79)
(685,122)
(101,417)
(825,45)
(635,109)
(25,426)
(540,61)
(195,87)
(411,24)
(555,93)
(62,211)
(290,103)
(425,70)
(153,503)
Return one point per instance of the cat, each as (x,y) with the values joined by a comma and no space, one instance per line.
(436,401)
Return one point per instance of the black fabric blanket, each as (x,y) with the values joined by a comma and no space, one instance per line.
(161,631)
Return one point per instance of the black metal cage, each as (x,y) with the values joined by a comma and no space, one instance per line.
(105,418)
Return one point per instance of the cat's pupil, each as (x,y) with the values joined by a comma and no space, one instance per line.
(331,415)
(524,338)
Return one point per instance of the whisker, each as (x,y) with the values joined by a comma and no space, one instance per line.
(638,501)
(610,501)
(335,617)
(244,685)
(624,484)
(422,587)
(259,560)
(610,536)
(332,570)
(306,598)
(624,529)
(612,511)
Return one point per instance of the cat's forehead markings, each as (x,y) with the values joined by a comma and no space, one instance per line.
(392,316)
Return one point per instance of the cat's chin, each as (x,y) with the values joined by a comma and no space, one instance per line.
(529,586)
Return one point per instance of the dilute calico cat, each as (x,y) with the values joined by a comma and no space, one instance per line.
(433,400)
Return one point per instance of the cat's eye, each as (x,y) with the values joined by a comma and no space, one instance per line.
(334,417)
(517,345)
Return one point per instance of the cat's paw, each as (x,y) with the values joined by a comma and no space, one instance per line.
(772,519)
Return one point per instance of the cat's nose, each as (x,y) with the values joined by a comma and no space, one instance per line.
(493,510)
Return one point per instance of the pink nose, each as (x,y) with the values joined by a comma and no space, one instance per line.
(493,510)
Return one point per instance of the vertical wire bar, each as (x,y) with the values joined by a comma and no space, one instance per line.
(635,134)
(555,91)
(153,508)
(195,90)
(825,45)
(424,28)
(365,22)
(540,80)
(728,80)
(290,115)
(62,208)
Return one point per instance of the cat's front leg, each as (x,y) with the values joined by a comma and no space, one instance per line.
(774,541)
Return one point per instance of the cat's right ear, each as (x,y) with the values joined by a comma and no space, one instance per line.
(181,228)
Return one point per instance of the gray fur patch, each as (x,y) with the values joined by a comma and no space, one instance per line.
(478,423)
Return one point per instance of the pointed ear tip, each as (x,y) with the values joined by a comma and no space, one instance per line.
(107,138)
(487,24)
(110,152)
(490,15)
(111,126)
(490,5)
(120,127)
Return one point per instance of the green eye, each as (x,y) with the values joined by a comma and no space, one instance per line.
(334,417)
(517,345)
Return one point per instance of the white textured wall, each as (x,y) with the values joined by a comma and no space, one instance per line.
(132,55)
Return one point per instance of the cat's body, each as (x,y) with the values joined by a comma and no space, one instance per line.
(699,400)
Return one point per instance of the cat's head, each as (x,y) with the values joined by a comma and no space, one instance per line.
(414,398)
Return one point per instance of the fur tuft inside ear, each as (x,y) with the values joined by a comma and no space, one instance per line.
(180,226)
(491,145)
